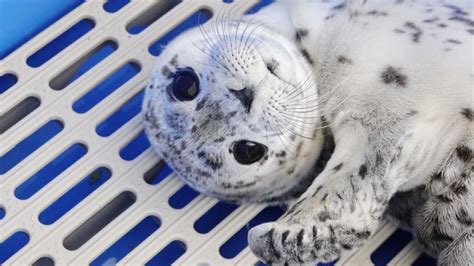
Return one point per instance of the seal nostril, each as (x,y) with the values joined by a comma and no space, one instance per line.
(245,96)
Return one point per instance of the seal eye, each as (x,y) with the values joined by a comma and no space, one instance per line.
(185,85)
(248,152)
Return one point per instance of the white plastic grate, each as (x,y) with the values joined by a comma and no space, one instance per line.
(40,96)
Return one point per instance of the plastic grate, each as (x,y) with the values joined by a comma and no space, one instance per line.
(79,183)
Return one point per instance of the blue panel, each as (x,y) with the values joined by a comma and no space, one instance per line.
(20,20)
(60,43)
(2,213)
(238,241)
(85,64)
(12,245)
(182,197)
(169,254)
(50,171)
(7,81)
(129,241)
(199,17)
(391,247)
(136,147)
(29,145)
(75,195)
(214,216)
(121,116)
(113,6)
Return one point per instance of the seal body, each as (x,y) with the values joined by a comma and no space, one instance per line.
(393,80)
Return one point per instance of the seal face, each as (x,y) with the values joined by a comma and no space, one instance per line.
(231,107)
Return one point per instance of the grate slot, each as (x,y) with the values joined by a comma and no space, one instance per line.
(128,242)
(198,18)
(113,6)
(84,64)
(214,216)
(391,247)
(135,147)
(182,197)
(18,112)
(157,173)
(7,81)
(99,220)
(29,145)
(126,112)
(12,245)
(150,15)
(169,254)
(44,261)
(114,81)
(234,245)
(74,196)
(50,171)
(54,47)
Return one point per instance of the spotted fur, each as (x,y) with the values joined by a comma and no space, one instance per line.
(392,80)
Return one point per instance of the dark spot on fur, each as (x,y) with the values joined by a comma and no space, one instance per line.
(316,191)
(291,170)
(338,167)
(323,216)
(339,7)
(463,20)
(324,197)
(343,60)
(284,237)
(273,250)
(299,238)
(453,41)
(459,188)
(431,20)
(221,139)
(363,235)
(444,198)
(467,113)
(417,32)
(377,13)
(201,104)
(463,217)
(456,10)
(412,113)
(306,55)
(378,159)
(399,31)
(301,34)
(442,25)
(464,153)
(174,60)
(166,71)
(281,154)
(392,75)
(363,171)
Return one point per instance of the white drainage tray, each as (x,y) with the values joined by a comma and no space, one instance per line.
(78,181)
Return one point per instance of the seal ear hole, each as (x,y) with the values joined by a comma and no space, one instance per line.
(271,67)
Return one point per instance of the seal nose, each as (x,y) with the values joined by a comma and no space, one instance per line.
(245,96)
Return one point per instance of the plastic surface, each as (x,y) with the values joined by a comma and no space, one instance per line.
(79,183)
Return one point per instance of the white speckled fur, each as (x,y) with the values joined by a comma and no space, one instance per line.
(394,81)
